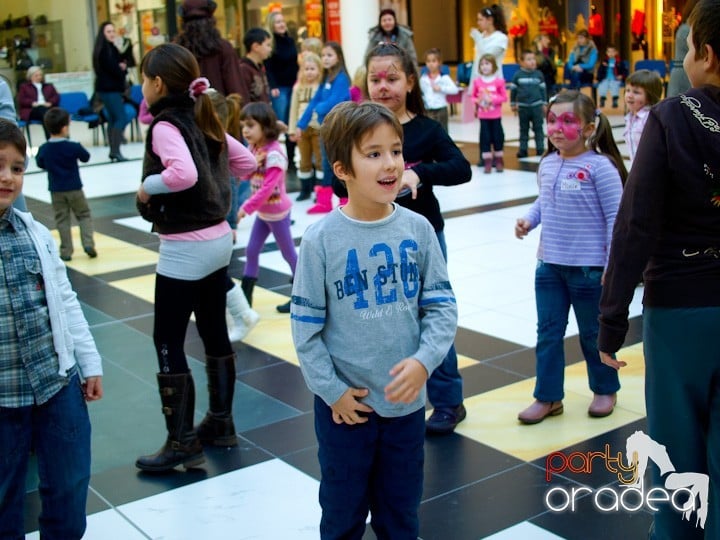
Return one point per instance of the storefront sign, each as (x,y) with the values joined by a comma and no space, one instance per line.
(313,18)
(332,13)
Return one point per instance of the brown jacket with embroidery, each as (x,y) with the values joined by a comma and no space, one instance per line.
(669,219)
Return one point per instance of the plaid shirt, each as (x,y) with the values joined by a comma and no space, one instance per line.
(28,361)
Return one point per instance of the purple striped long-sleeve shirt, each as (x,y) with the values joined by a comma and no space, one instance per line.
(578,201)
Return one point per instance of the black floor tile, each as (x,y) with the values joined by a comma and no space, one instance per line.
(485,507)
(286,437)
(282,381)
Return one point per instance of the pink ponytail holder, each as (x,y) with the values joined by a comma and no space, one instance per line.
(199,86)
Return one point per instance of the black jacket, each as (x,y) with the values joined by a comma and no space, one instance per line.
(208,201)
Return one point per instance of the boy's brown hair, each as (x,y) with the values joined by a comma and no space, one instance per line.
(704,22)
(55,120)
(12,135)
(434,52)
(649,81)
(347,123)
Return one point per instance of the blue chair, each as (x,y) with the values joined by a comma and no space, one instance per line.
(78,105)
(444,70)
(25,125)
(509,71)
(136,96)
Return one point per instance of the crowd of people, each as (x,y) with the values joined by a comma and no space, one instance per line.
(379,143)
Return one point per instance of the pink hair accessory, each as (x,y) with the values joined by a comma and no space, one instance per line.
(199,86)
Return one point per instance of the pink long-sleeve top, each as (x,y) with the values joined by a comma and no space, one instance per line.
(269,197)
(488,94)
(180,172)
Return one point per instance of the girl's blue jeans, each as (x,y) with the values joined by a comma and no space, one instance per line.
(557,287)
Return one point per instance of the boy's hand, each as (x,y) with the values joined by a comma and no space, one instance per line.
(409,376)
(522,228)
(92,388)
(345,410)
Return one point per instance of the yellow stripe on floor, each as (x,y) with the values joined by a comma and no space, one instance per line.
(113,254)
(492,416)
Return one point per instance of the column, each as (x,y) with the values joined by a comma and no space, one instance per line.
(356,18)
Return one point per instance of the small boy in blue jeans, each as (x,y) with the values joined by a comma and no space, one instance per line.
(372,315)
(59,156)
(49,367)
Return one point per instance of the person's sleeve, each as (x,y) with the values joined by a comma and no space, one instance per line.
(592,60)
(514,89)
(310,109)
(448,86)
(270,68)
(244,81)
(40,157)
(241,160)
(425,85)
(7,105)
(609,190)
(448,166)
(231,71)
(294,108)
(501,94)
(534,215)
(308,314)
(475,91)
(180,172)
(52,96)
(86,353)
(637,227)
(498,48)
(339,92)
(82,153)
(273,177)
(475,35)
(438,321)
(25,98)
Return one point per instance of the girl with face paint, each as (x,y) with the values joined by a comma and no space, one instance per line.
(580,182)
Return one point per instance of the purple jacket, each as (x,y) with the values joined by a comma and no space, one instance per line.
(27,94)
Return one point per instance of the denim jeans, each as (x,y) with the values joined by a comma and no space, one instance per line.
(558,287)
(59,431)
(375,466)
(114,107)
(444,387)
(281,103)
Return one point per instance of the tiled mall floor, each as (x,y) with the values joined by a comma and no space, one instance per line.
(488,480)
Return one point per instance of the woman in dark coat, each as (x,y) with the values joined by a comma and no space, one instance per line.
(35,97)
(110,80)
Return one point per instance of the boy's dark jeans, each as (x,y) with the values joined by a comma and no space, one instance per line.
(534,115)
(60,432)
(375,466)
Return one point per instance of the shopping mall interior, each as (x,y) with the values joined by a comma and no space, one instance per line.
(492,478)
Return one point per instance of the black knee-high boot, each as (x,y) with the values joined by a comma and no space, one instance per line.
(182,447)
(247,285)
(218,428)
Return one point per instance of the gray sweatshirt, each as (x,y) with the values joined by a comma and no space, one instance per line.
(367,295)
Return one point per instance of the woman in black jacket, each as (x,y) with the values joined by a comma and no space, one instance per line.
(282,69)
(110,72)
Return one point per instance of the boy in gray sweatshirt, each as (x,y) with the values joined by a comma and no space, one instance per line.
(373,313)
(528,98)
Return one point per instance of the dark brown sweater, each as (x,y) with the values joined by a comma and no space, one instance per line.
(668,225)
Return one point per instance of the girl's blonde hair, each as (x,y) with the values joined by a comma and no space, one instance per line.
(313,58)
(311,44)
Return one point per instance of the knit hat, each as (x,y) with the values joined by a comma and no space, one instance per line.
(197,9)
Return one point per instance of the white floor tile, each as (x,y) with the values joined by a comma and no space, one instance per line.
(241,504)
(107,525)
(526,531)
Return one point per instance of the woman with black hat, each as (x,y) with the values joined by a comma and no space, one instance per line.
(216,56)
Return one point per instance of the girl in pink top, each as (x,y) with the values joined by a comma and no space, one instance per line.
(488,94)
(269,198)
